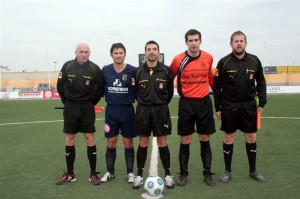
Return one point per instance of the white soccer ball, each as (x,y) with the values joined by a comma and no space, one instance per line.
(154,185)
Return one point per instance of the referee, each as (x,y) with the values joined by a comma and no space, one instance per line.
(154,89)
(238,80)
(80,86)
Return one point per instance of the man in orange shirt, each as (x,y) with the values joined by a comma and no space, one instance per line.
(193,69)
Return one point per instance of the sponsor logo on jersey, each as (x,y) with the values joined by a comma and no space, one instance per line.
(117,87)
(117,82)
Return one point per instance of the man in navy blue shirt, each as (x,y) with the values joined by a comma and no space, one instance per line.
(119,113)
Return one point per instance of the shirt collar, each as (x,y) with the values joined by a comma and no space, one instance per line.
(244,58)
(157,67)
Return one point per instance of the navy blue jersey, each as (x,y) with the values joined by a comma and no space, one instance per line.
(118,86)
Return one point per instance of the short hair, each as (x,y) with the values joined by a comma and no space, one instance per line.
(237,33)
(152,42)
(192,32)
(117,45)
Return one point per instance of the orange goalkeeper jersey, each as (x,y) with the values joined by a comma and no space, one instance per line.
(194,74)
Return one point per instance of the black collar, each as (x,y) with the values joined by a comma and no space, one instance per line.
(157,67)
(236,58)
(192,58)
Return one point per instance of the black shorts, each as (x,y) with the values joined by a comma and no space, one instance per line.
(79,117)
(193,111)
(239,115)
(152,118)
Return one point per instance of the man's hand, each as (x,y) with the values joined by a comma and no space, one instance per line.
(218,114)
(260,110)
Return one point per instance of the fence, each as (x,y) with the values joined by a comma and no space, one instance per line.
(26,81)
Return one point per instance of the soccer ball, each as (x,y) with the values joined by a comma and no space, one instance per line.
(154,185)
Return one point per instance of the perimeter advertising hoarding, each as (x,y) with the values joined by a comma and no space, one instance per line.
(288,69)
(270,70)
(30,95)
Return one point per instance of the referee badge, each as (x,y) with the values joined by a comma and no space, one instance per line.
(161,85)
(251,76)
(87,82)
(217,72)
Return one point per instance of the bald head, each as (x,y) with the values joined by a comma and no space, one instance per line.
(82,53)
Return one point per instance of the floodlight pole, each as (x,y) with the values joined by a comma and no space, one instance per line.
(55,62)
(49,87)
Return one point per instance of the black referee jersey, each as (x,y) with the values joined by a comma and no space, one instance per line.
(154,89)
(239,80)
(80,83)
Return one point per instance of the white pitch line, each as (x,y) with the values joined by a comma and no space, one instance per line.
(289,118)
(175,117)
(36,122)
(154,158)
(153,168)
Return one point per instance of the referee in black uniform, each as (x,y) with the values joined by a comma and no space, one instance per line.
(80,86)
(238,80)
(154,90)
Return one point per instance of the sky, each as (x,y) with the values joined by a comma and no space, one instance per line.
(41,35)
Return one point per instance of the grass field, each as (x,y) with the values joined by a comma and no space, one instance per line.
(32,156)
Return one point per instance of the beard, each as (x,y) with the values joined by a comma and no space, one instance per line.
(152,58)
(239,51)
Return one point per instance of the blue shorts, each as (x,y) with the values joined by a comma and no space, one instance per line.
(119,120)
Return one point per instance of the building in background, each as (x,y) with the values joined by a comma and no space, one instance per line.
(28,81)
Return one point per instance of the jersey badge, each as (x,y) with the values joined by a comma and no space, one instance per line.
(132,81)
(217,72)
(124,77)
(161,85)
(251,76)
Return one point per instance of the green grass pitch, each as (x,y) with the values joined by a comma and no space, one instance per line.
(32,156)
